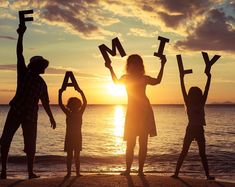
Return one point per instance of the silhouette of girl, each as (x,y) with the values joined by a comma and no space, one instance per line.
(195,102)
(139,116)
(73,138)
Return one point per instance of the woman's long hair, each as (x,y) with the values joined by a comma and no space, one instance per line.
(135,65)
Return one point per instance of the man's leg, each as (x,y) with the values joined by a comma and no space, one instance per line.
(30,136)
(11,126)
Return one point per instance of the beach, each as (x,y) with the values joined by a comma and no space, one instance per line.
(115,180)
(104,148)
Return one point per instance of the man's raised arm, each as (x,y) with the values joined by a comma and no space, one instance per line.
(21,67)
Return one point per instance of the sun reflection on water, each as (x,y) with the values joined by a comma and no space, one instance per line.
(118,129)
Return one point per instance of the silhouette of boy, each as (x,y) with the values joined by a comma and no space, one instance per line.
(24,106)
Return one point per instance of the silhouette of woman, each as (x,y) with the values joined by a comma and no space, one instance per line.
(139,116)
(195,102)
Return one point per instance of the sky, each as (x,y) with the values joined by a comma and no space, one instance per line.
(68,34)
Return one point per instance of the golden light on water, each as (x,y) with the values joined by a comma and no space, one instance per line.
(118,130)
(116,89)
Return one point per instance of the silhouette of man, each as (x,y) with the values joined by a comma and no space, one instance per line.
(24,106)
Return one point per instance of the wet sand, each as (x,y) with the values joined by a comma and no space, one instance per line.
(114,180)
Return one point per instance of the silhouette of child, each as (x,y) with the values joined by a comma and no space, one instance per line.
(73,138)
(139,116)
(195,102)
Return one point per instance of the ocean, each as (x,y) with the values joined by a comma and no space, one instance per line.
(104,148)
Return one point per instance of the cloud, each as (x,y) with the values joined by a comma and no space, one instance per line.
(78,17)
(54,70)
(141,32)
(6,90)
(8,37)
(7,15)
(4,4)
(215,33)
(8,67)
(91,19)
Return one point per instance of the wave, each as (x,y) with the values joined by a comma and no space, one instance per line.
(220,157)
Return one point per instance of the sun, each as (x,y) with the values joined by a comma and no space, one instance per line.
(116,89)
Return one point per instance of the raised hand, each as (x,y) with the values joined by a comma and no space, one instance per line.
(108,65)
(163,59)
(53,123)
(21,29)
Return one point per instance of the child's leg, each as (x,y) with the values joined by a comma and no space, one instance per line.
(187,142)
(143,141)
(69,161)
(202,152)
(77,162)
(129,154)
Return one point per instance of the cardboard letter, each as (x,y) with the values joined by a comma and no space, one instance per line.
(209,62)
(163,41)
(73,83)
(181,67)
(115,45)
(22,17)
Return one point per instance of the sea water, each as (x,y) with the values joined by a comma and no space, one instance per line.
(104,148)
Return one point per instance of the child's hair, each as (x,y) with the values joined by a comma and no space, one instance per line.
(194,96)
(74,103)
(135,65)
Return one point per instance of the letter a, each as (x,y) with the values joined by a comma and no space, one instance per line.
(73,83)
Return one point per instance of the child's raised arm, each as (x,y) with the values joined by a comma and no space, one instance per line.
(208,82)
(154,81)
(84,101)
(63,108)
(183,87)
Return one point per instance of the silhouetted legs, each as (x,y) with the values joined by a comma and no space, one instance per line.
(11,126)
(129,154)
(70,155)
(69,162)
(187,142)
(30,136)
(202,152)
(143,140)
(77,162)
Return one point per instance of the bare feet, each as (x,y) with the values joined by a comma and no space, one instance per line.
(78,175)
(175,176)
(210,177)
(141,174)
(33,176)
(125,173)
(3,175)
(68,175)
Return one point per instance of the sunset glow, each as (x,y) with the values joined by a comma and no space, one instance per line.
(69,40)
(116,90)
(119,128)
